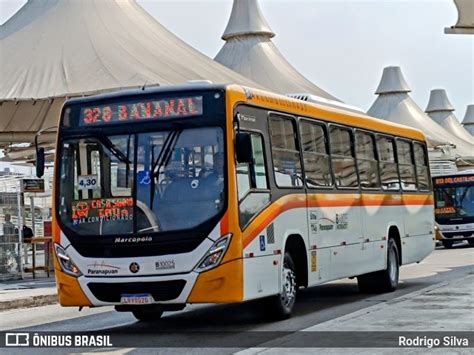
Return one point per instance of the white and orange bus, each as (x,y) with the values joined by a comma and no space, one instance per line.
(213,194)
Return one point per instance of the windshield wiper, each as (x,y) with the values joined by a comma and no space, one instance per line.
(113,148)
(162,159)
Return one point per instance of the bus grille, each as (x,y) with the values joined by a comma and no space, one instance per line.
(161,291)
(96,250)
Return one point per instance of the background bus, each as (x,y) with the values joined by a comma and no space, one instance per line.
(454,207)
(212,193)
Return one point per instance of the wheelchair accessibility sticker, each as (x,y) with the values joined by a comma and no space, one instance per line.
(144,177)
(262,243)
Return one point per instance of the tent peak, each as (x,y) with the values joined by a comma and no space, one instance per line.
(469,116)
(246,19)
(439,101)
(250,51)
(392,82)
(396,105)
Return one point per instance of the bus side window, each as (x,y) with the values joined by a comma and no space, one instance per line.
(315,154)
(387,164)
(367,161)
(406,166)
(421,163)
(342,157)
(252,183)
(285,152)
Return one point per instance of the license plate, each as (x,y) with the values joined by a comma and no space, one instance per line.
(458,236)
(142,298)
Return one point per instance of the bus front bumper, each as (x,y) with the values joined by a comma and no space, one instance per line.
(455,235)
(222,284)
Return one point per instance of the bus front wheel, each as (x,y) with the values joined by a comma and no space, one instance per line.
(144,315)
(281,305)
(384,280)
(448,244)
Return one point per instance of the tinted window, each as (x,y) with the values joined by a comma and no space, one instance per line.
(286,156)
(252,175)
(406,166)
(421,163)
(342,159)
(315,154)
(366,161)
(387,164)
(180,184)
(252,183)
(96,175)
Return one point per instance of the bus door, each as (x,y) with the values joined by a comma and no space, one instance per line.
(319,183)
(341,221)
(373,213)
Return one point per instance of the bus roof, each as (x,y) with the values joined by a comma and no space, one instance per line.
(320,111)
(270,100)
(149,90)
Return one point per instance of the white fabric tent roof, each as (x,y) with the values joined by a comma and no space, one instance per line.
(250,51)
(53,49)
(395,104)
(440,109)
(468,121)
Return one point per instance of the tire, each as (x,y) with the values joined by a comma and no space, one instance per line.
(147,315)
(280,307)
(384,280)
(448,244)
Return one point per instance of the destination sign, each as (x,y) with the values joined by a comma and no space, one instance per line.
(454,180)
(141,110)
(102,210)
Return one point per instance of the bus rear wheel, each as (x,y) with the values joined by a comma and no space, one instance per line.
(384,280)
(281,305)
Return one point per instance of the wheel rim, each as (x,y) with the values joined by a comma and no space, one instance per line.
(392,264)
(289,286)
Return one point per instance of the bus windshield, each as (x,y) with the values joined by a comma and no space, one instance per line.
(141,183)
(454,202)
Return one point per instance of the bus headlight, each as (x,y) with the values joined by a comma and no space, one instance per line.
(67,265)
(215,254)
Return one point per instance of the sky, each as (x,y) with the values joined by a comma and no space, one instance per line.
(341,45)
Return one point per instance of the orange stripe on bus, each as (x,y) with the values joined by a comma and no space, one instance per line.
(289,202)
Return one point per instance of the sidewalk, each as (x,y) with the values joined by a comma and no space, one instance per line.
(445,306)
(28,292)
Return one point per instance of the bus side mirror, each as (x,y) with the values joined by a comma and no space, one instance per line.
(40,162)
(243,147)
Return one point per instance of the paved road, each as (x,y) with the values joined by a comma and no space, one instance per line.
(315,306)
